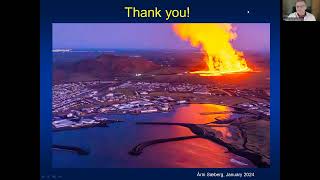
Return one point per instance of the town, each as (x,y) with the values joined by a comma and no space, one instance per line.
(77,104)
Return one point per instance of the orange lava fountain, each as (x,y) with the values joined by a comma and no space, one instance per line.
(215,41)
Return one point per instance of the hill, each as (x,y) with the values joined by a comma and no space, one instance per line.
(105,66)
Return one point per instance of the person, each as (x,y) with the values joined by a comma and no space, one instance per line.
(301,13)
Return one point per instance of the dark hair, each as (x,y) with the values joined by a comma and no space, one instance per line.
(301,1)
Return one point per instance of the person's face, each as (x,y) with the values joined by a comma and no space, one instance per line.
(301,8)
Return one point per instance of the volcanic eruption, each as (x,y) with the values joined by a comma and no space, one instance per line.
(215,41)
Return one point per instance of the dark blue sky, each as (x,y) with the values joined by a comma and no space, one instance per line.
(254,36)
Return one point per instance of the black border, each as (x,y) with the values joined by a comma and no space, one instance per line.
(21,68)
(299,72)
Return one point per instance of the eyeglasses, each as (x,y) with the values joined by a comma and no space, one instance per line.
(300,6)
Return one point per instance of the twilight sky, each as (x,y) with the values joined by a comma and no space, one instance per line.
(251,36)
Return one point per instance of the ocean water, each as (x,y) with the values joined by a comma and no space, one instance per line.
(109,146)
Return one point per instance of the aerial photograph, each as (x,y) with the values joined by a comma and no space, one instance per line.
(160,95)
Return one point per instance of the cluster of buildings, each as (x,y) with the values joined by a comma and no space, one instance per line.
(143,105)
(142,86)
(71,123)
(256,108)
(83,98)
(189,88)
(66,96)
(258,93)
(199,89)
(80,99)
(72,95)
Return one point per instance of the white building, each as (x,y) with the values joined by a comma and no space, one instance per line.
(182,102)
(164,108)
(69,115)
(62,123)
(149,110)
(109,95)
(144,93)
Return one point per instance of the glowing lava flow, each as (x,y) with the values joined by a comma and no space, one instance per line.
(214,40)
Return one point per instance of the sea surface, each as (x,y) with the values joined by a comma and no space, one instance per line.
(109,146)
